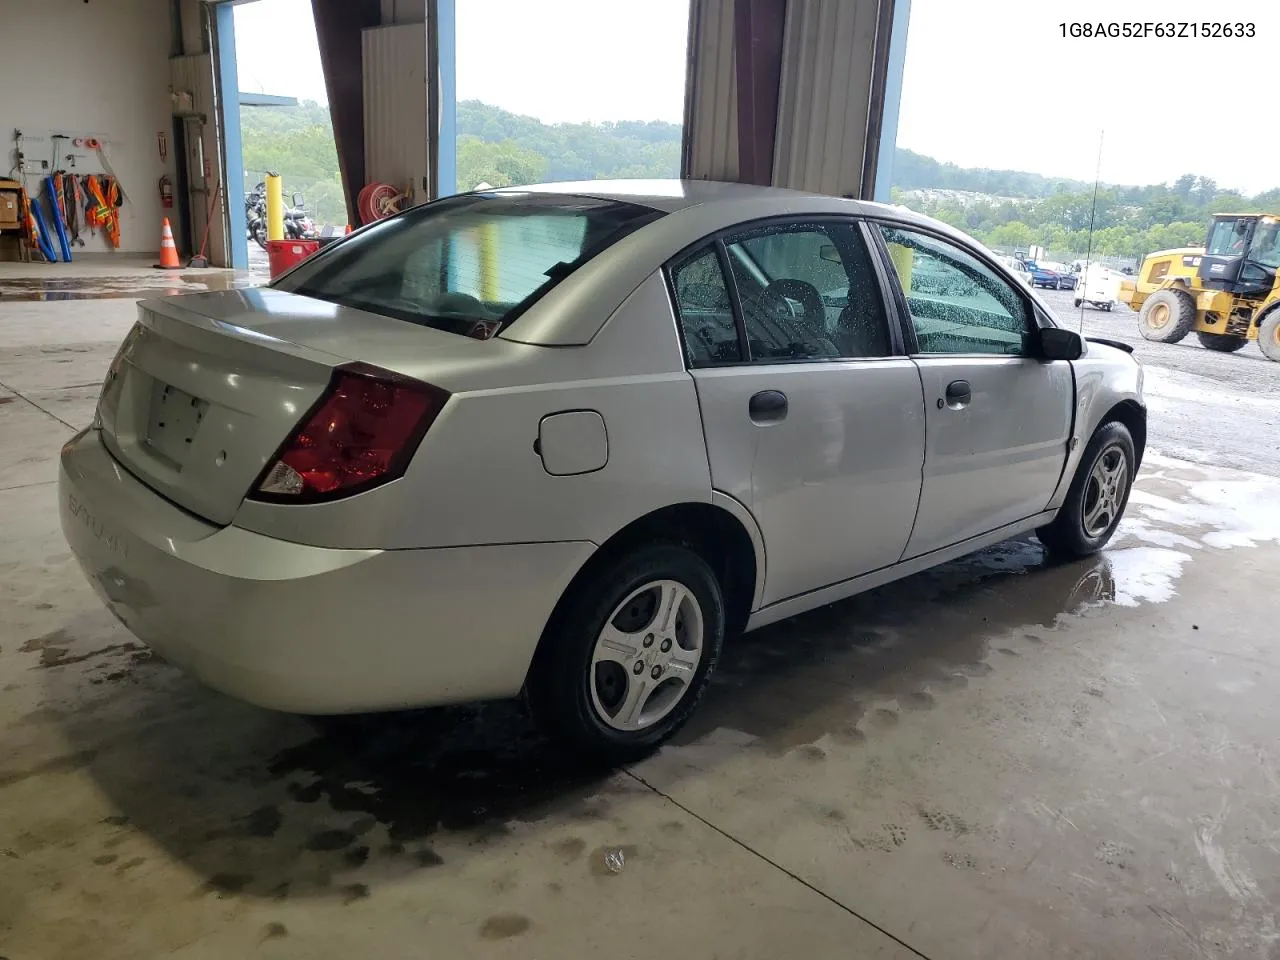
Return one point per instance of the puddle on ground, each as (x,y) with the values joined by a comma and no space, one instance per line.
(263,805)
(132,286)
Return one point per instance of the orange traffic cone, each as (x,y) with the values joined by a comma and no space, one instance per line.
(168,251)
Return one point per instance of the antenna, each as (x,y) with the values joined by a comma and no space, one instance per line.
(1093,212)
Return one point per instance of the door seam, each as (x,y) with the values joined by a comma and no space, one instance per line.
(924,460)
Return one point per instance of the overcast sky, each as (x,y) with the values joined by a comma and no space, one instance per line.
(988,83)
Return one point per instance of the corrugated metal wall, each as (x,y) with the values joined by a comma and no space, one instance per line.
(711,110)
(826,88)
(828,51)
(395,106)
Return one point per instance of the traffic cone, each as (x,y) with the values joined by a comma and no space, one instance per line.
(168,251)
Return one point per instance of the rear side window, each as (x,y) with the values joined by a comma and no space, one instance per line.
(808,292)
(706,311)
(469,264)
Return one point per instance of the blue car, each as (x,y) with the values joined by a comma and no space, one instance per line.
(1056,277)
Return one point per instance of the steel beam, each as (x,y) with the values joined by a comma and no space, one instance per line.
(338,30)
(758,36)
(224,30)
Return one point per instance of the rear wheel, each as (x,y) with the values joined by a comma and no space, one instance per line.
(1078,301)
(1269,336)
(1097,497)
(627,656)
(1167,316)
(1222,342)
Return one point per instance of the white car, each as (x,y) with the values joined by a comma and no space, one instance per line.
(1018,269)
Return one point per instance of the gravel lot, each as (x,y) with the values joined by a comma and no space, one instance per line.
(1212,408)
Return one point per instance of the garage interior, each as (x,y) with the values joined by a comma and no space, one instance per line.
(1001,757)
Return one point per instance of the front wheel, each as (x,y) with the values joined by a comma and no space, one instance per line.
(1097,497)
(628,653)
(1078,301)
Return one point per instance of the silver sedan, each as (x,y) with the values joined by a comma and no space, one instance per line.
(563,441)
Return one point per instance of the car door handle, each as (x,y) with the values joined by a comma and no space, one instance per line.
(958,395)
(768,406)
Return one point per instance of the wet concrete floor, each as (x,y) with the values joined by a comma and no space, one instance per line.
(998,758)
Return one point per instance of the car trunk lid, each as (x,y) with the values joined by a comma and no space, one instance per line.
(208,386)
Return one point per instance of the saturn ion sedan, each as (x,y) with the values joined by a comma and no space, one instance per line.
(561,442)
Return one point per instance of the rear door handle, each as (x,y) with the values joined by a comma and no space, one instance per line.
(958,395)
(767,406)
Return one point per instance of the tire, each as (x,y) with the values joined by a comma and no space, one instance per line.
(1079,301)
(1222,342)
(1269,335)
(581,688)
(1167,316)
(1107,307)
(260,235)
(1079,530)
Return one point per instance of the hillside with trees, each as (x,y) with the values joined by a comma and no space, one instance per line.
(1008,209)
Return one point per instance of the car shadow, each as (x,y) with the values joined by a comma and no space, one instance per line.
(272,806)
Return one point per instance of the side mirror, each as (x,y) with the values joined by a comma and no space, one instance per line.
(829,253)
(1054,343)
(297,199)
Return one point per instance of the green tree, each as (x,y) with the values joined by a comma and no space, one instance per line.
(1011,236)
(502,164)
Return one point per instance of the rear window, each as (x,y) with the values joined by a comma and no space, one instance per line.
(470,264)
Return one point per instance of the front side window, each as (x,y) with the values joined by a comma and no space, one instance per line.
(808,292)
(468,264)
(1266,244)
(957,303)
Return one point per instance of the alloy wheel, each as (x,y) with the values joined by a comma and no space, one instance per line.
(1104,494)
(645,658)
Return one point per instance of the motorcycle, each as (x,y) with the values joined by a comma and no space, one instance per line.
(298,225)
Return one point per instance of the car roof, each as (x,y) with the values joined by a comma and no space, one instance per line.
(670,196)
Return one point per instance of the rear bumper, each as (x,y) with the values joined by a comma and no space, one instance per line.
(308,629)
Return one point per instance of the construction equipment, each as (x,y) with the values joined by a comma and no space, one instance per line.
(1226,291)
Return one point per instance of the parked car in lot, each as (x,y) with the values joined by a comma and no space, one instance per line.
(418,469)
(1054,276)
(1018,268)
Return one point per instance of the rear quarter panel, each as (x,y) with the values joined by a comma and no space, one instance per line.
(477,478)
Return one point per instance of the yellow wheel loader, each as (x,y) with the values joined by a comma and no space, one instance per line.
(1226,292)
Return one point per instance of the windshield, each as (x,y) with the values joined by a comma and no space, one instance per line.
(468,264)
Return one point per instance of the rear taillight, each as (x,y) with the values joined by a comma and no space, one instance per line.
(362,432)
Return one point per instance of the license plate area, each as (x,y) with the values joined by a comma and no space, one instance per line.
(175,416)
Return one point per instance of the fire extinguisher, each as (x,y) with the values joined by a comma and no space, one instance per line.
(166,192)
